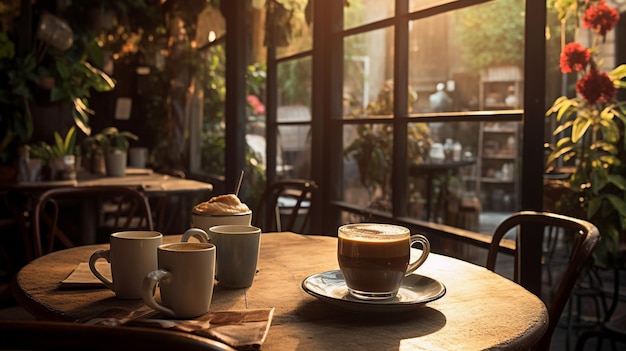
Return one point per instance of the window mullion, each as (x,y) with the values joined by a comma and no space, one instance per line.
(399,186)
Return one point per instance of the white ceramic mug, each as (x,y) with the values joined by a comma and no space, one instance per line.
(132,255)
(185,278)
(237,254)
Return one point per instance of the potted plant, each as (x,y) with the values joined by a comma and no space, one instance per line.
(43,73)
(114,144)
(591,131)
(60,156)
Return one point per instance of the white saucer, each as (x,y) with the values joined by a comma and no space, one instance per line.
(415,291)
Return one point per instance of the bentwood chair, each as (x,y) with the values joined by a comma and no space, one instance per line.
(584,238)
(65,217)
(612,329)
(285,206)
(46,335)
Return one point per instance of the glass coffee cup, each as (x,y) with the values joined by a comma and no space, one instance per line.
(374,258)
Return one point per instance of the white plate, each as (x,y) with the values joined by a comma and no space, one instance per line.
(415,291)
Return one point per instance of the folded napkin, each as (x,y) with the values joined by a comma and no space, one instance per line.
(241,329)
(81,277)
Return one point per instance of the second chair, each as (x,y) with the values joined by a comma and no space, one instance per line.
(289,198)
(584,238)
(65,217)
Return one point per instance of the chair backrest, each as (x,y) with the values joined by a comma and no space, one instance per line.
(46,335)
(584,238)
(289,198)
(60,212)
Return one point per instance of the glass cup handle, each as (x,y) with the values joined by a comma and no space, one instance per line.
(197,233)
(106,254)
(418,238)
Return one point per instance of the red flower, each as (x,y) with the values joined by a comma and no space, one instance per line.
(596,87)
(574,58)
(600,18)
(257,106)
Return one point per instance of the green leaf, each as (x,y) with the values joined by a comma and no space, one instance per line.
(62,67)
(560,128)
(580,127)
(70,139)
(618,72)
(593,205)
(99,80)
(618,204)
(564,110)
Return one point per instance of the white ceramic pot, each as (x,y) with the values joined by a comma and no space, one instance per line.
(116,163)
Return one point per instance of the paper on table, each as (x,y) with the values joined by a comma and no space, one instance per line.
(82,277)
(241,329)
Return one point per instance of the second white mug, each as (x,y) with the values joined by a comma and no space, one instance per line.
(185,278)
(237,254)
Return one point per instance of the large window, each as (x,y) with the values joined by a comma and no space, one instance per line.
(410,111)
(455,123)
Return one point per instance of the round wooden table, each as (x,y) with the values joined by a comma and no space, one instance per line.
(480,310)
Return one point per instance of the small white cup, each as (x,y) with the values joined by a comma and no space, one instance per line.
(132,255)
(237,254)
(185,278)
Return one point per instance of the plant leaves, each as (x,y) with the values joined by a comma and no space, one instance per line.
(581,124)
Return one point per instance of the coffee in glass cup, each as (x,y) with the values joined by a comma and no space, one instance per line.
(374,258)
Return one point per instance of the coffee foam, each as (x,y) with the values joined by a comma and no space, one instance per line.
(221,205)
(373,232)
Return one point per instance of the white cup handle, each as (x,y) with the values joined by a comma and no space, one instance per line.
(418,238)
(149,287)
(197,233)
(106,254)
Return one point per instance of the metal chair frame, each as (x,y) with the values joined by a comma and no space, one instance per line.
(267,213)
(130,205)
(585,238)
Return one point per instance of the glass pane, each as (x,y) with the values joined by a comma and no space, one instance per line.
(294,141)
(441,174)
(294,90)
(475,171)
(368,74)
(361,12)
(464,60)
(294,151)
(367,165)
(212,137)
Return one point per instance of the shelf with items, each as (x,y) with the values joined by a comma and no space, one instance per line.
(497,180)
(498,183)
(500,88)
